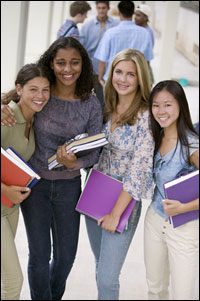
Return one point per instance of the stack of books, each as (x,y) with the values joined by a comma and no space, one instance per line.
(15,171)
(184,189)
(81,147)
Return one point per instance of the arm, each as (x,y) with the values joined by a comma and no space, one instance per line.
(174,207)
(7,116)
(101,71)
(110,221)
(16,194)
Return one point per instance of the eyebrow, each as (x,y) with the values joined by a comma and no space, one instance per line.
(62,59)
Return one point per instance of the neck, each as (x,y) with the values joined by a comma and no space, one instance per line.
(171,132)
(102,19)
(75,20)
(64,92)
(27,113)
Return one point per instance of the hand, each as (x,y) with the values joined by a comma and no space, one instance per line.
(7,116)
(67,159)
(17,194)
(172,207)
(102,82)
(109,222)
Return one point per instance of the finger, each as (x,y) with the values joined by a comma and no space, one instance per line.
(25,189)
(99,221)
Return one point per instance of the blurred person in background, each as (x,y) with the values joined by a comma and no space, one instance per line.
(142,15)
(78,12)
(91,34)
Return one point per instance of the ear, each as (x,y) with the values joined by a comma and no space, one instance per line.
(19,89)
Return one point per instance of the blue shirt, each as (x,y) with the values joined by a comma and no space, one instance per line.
(90,35)
(125,35)
(167,168)
(73,32)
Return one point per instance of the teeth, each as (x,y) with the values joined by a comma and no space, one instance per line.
(38,102)
(67,76)
(163,119)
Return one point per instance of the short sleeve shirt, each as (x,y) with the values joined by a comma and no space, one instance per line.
(167,168)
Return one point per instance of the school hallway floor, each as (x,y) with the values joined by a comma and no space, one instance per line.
(81,284)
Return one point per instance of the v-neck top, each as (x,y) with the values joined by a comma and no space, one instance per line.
(167,167)
(129,155)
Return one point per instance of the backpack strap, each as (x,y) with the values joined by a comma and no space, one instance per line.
(73,25)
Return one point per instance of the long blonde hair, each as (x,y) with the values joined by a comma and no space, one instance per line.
(141,100)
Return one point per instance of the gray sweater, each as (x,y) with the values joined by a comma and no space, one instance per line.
(59,121)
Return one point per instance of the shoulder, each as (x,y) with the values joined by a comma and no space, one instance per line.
(93,101)
(88,23)
(193,139)
(144,115)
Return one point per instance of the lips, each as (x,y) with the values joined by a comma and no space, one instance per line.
(38,102)
(67,76)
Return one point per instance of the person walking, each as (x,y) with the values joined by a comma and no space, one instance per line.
(78,13)
(30,96)
(171,252)
(126,35)
(128,157)
(50,209)
(91,34)
(142,15)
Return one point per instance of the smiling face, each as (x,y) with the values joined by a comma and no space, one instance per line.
(125,78)
(33,95)
(67,66)
(165,109)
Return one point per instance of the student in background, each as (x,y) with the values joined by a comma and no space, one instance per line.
(171,251)
(78,12)
(125,35)
(30,96)
(91,34)
(71,110)
(128,156)
(142,15)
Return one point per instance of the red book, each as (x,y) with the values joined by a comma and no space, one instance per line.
(15,171)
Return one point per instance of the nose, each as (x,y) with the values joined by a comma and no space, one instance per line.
(67,68)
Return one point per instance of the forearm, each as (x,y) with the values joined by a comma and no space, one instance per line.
(190,206)
(101,70)
(121,204)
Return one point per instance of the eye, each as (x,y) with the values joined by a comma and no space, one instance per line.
(154,106)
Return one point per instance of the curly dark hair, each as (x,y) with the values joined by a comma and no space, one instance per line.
(85,82)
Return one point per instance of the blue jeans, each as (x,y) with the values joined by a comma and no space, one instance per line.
(50,209)
(110,251)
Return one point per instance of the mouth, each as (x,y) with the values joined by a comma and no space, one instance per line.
(38,103)
(67,76)
(163,118)
(122,87)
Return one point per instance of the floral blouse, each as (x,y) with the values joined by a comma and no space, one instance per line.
(129,154)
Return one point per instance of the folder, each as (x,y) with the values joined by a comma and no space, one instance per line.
(184,189)
(15,171)
(99,197)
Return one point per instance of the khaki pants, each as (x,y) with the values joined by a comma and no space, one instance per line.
(11,274)
(170,251)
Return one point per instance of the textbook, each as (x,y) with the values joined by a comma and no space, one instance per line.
(15,171)
(99,197)
(81,147)
(184,189)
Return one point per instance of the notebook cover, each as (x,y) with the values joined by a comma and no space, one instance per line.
(12,174)
(184,190)
(99,197)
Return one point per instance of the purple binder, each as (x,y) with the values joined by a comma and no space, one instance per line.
(184,189)
(99,197)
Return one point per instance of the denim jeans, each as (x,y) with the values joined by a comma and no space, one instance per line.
(50,216)
(110,251)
